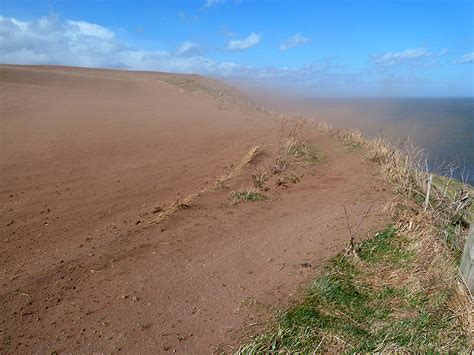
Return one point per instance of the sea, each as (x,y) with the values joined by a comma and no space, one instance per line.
(443,127)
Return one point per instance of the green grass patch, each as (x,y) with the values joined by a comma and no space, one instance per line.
(386,246)
(249,196)
(354,307)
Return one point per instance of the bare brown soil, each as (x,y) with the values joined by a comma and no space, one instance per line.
(88,156)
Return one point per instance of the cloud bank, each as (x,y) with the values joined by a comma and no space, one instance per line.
(51,40)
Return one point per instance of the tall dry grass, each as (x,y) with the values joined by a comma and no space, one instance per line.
(406,167)
(444,213)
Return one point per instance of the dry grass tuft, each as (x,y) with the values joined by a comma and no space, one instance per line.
(351,138)
(286,180)
(254,152)
(259,177)
(293,148)
(251,155)
(175,206)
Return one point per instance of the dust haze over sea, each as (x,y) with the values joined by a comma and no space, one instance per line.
(444,127)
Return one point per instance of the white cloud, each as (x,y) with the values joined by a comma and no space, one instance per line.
(293,41)
(91,29)
(188,49)
(467,58)
(48,40)
(394,58)
(242,44)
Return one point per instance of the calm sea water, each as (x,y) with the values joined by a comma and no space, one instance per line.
(444,127)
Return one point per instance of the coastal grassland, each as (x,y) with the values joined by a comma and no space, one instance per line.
(384,297)
(398,291)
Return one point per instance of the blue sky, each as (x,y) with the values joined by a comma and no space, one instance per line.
(321,48)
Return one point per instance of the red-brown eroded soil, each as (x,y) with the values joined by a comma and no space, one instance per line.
(85,157)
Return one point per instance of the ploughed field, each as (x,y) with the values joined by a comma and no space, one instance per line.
(148,212)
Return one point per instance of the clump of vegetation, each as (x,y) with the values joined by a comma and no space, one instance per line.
(289,179)
(352,140)
(299,149)
(293,147)
(251,155)
(374,301)
(259,177)
(281,163)
(249,196)
(177,205)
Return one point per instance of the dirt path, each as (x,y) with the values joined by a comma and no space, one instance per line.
(86,155)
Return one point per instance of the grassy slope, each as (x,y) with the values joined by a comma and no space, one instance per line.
(398,291)
(367,302)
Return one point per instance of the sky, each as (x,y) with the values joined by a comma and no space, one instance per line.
(317,48)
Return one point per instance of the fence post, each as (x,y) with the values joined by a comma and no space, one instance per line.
(467,260)
(428,190)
